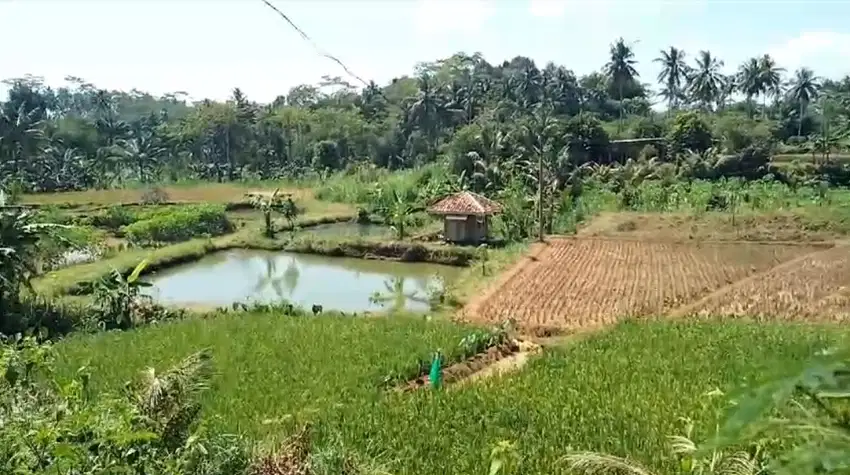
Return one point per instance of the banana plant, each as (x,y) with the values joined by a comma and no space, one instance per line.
(20,236)
(276,201)
(399,214)
(118,297)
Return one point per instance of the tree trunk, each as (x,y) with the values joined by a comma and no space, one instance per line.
(800,120)
(229,155)
(620,124)
(540,195)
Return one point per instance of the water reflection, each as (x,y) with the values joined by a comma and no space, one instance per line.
(396,296)
(333,282)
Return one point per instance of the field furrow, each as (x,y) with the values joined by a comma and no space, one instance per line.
(816,287)
(580,283)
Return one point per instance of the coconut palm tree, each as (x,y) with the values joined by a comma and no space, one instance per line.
(620,69)
(749,81)
(770,77)
(673,74)
(427,109)
(706,81)
(803,89)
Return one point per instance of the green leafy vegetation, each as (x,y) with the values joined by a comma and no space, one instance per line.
(153,428)
(176,224)
(275,202)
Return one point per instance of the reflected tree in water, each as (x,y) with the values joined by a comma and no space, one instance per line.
(270,279)
(291,276)
(395,297)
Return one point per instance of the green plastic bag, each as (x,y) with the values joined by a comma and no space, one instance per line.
(436,375)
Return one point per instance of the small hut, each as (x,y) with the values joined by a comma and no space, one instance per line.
(465,216)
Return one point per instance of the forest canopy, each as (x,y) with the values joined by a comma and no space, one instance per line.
(462,111)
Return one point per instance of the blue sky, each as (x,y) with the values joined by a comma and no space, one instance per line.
(207,47)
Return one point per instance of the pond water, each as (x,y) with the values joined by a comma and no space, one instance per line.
(337,283)
(347,229)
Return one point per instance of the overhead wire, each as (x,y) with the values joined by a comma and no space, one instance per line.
(316,47)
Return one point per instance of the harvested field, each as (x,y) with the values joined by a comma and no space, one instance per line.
(822,224)
(814,287)
(581,283)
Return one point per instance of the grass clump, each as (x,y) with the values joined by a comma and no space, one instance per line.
(179,224)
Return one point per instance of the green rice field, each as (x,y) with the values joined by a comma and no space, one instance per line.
(620,392)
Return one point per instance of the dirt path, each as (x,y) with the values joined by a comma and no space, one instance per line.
(501,367)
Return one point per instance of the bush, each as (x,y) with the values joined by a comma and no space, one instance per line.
(689,132)
(736,132)
(113,218)
(179,224)
(648,151)
(155,196)
(52,427)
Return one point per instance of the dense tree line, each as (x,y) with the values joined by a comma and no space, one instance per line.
(481,118)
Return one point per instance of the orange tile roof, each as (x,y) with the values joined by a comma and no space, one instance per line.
(465,202)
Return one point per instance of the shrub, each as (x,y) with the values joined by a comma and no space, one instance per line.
(53,427)
(113,218)
(179,224)
(648,151)
(689,132)
(155,196)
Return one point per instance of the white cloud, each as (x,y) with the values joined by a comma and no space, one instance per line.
(444,16)
(826,52)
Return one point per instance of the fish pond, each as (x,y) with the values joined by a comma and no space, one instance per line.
(338,283)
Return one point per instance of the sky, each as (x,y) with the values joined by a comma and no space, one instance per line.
(208,47)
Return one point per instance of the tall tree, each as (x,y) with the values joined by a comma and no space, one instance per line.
(620,70)
(706,81)
(673,75)
(803,89)
(748,80)
(770,77)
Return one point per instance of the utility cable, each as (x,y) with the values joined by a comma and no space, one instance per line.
(319,50)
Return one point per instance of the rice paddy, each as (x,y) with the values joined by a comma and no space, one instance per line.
(621,391)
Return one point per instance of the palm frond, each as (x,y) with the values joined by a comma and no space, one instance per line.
(160,396)
(592,463)
(739,463)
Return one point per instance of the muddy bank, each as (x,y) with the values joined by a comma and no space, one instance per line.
(495,360)
(394,250)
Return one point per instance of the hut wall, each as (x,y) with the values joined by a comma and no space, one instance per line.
(465,229)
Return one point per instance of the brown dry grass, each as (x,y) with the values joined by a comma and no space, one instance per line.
(815,287)
(781,227)
(207,192)
(581,283)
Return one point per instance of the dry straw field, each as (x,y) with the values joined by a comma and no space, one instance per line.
(580,283)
